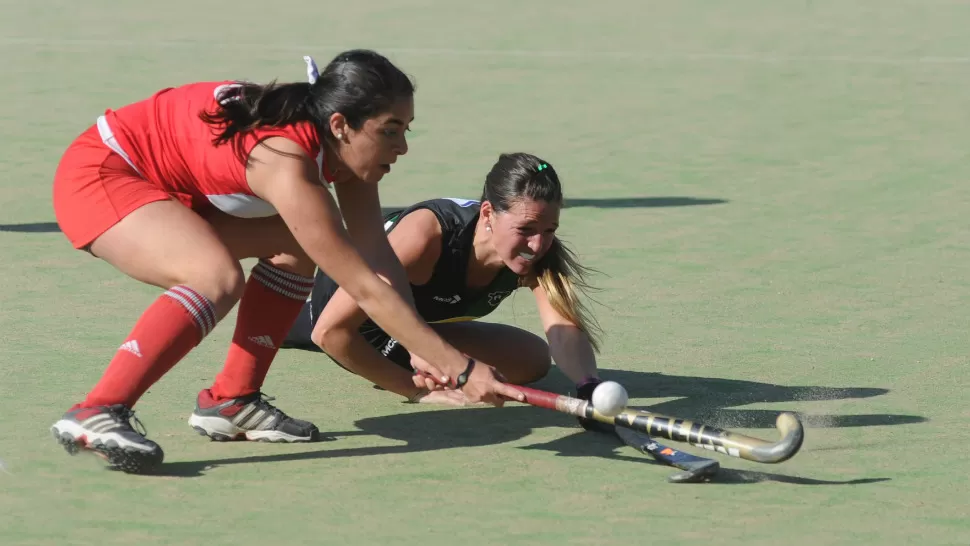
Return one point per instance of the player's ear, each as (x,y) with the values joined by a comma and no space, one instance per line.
(486,210)
(339,126)
(487,213)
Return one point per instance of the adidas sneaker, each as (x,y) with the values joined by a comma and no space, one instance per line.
(107,431)
(250,417)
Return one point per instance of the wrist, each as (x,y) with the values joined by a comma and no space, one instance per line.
(585,388)
(462,378)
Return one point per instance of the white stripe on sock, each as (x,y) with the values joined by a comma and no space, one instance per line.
(288,284)
(201,309)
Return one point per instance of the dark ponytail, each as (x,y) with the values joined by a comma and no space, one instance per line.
(359,84)
(247,106)
(524,176)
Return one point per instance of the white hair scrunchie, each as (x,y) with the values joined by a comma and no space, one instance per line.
(312,72)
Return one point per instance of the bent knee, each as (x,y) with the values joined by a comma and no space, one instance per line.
(294,262)
(318,337)
(222,283)
(538,369)
(332,340)
(534,362)
(538,351)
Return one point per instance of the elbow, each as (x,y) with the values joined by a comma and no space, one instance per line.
(562,333)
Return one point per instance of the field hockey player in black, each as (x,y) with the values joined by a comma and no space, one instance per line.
(463,258)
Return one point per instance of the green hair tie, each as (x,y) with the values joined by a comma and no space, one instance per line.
(542,166)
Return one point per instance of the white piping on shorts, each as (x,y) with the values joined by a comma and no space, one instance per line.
(108,137)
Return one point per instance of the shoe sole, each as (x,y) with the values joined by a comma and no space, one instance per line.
(220,430)
(130,460)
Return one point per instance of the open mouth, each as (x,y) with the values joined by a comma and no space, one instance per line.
(526,256)
(385,167)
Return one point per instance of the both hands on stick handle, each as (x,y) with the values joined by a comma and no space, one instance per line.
(478,382)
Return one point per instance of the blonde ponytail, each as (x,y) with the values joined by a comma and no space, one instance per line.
(560,274)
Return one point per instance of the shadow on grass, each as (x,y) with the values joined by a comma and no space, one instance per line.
(702,399)
(35,227)
(640,202)
(620,203)
(603,203)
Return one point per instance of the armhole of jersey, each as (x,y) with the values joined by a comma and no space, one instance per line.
(394,222)
(296,133)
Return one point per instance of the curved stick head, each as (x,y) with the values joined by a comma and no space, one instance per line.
(792,436)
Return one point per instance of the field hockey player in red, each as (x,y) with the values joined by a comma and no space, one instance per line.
(176,189)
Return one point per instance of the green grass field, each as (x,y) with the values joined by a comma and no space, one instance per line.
(775,193)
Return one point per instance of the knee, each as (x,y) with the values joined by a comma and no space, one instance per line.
(536,360)
(231,281)
(541,367)
(222,283)
(319,338)
(294,262)
(333,341)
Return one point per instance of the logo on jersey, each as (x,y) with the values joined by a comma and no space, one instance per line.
(447,299)
(390,223)
(391,343)
(496,298)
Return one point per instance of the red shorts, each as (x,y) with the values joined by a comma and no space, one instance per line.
(94,188)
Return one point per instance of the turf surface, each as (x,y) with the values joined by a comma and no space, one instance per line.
(775,193)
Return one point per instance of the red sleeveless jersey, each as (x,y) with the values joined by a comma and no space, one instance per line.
(165,140)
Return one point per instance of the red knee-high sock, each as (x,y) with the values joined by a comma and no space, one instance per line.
(269,307)
(177,321)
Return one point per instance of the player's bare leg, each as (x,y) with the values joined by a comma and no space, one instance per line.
(167,245)
(234,407)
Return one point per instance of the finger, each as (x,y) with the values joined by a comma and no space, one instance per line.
(427,377)
(429,370)
(508,391)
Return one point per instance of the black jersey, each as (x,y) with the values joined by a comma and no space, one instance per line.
(446,297)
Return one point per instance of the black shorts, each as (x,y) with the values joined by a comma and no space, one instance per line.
(299,338)
(389,347)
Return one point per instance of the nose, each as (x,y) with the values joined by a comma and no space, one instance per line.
(535,243)
(402,148)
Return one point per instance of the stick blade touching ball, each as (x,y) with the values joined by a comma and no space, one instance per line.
(610,398)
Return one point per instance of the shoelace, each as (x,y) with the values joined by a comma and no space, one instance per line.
(127,416)
(263,403)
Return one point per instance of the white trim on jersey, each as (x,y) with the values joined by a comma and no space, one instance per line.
(242,205)
(463,203)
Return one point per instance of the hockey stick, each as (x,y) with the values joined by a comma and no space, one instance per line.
(695,469)
(682,430)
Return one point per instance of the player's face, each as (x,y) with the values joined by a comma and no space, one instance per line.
(370,151)
(523,234)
